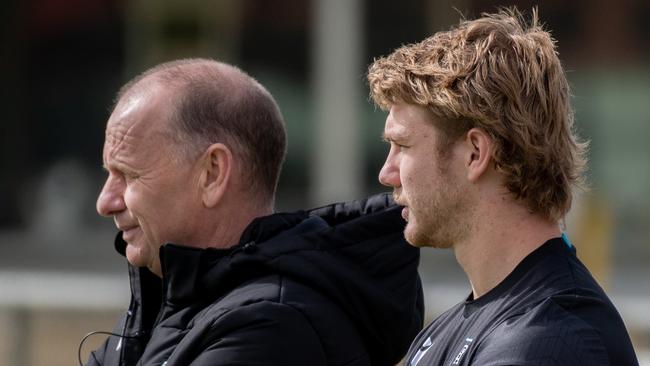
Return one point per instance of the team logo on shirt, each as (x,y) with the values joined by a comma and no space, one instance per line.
(460,355)
(421,352)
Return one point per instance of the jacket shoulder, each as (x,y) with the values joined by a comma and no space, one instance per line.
(305,313)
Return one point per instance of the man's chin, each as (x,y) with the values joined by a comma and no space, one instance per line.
(413,237)
(419,239)
(139,257)
(135,256)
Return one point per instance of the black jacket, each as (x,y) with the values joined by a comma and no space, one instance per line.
(333,286)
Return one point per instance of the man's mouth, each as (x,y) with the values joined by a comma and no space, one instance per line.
(129,232)
(397,198)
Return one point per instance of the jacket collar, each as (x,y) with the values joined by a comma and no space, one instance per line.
(183,267)
(264,228)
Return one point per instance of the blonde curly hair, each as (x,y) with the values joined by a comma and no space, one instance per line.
(502,75)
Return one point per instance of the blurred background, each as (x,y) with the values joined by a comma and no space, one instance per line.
(62,61)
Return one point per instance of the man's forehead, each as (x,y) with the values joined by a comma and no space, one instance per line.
(406,118)
(141,108)
(145,92)
(397,123)
(138,121)
(122,138)
(395,130)
(127,105)
(126,121)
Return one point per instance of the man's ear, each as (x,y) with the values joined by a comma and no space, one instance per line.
(480,153)
(215,177)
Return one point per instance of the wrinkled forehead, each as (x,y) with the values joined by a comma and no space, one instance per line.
(139,119)
(149,102)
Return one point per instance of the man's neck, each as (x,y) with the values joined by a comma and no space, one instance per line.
(501,240)
(226,224)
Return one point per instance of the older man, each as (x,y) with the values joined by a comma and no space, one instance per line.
(193,152)
(483,158)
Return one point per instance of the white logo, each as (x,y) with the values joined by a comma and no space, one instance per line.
(421,352)
(462,351)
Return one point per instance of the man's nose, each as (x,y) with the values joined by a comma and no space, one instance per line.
(389,174)
(111,199)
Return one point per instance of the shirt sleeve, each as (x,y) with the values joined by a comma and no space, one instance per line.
(527,342)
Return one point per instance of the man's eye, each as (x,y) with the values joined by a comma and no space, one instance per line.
(129,177)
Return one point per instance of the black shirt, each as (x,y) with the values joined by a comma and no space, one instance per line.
(548,311)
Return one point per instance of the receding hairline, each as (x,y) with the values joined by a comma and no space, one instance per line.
(177,74)
(211,101)
(178,77)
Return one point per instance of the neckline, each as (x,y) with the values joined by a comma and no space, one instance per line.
(555,245)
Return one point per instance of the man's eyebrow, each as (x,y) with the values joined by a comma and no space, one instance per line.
(113,168)
(394,136)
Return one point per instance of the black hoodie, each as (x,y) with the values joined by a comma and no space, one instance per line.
(333,286)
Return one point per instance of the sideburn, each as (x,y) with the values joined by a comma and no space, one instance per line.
(450,130)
